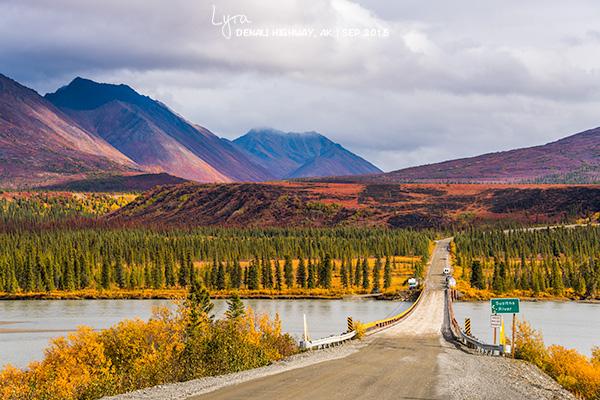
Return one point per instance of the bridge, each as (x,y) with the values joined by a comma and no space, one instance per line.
(417,355)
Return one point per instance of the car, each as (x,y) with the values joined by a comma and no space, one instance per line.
(446,270)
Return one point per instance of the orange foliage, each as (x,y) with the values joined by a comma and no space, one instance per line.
(572,370)
(135,354)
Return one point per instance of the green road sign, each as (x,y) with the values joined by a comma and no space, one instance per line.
(505,306)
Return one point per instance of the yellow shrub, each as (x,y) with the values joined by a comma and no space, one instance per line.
(360,329)
(136,354)
(574,371)
(596,356)
(529,345)
(145,353)
(73,368)
(14,384)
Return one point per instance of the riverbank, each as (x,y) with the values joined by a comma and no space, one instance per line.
(178,294)
(468,294)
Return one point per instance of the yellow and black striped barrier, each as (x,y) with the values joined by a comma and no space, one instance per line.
(468,326)
(376,325)
(350,324)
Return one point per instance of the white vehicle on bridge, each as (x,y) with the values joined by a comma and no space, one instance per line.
(446,270)
(412,283)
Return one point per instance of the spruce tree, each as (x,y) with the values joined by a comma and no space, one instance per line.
(357,273)
(477,278)
(288,272)
(105,275)
(344,275)
(169,272)
(119,272)
(377,274)
(253,278)
(198,304)
(220,283)
(86,278)
(311,280)
(184,275)
(387,273)
(327,272)
(236,281)
(365,274)
(278,275)
(301,277)
(235,307)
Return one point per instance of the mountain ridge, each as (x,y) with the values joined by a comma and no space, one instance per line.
(294,155)
(40,144)
(573,159)
(153,135)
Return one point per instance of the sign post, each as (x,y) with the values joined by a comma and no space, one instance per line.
(512,343)
(495,322)
(507,306)
(305,329)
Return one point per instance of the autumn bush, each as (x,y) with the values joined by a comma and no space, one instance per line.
(572,370)
(169,347)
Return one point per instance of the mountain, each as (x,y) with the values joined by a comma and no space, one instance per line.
(39,144)
(296,155)
(574,159)
(152,135)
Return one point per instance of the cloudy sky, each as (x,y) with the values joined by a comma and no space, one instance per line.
(401,82)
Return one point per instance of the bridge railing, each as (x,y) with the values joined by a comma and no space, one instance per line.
(330,341)
(375,326)
(461,336)
(369,327)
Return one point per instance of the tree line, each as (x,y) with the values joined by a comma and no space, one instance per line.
(547,260)
(134,258)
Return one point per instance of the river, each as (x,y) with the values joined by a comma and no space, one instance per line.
(26,326)
(569,324)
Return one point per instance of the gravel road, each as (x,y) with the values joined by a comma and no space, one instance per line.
(411,360)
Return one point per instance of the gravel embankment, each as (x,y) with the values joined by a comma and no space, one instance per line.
(472,376)
(183,390)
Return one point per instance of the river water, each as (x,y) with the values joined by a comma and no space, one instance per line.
(26,326)
(569,324)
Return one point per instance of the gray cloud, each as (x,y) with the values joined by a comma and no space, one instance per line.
(452,79)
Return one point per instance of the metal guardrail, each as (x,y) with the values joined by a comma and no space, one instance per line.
(370,327)
(469,341)
(327,342)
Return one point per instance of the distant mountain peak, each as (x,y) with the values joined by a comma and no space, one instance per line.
(86,94)
(301,154)
(266,131)
(39,144)
(153,135)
